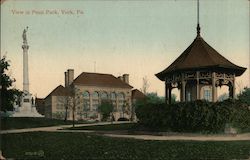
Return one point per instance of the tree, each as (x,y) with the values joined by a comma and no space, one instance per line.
(106,108)
(8,94)
(244,96)
(154,98)
(145,85)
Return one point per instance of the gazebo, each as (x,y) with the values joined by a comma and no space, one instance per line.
(198,71)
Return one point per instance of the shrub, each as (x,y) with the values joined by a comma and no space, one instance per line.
(196,116)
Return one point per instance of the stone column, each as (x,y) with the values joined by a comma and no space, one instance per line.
(25,68)
(214,95)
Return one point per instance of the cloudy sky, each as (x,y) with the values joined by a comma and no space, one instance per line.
(140,37)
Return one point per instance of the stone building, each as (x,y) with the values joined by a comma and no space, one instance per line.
(198,71)
(87,91)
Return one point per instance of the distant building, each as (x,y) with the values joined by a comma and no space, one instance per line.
(89,90)
(40,105)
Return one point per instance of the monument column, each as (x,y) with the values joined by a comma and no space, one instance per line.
(27,106)
(25,48)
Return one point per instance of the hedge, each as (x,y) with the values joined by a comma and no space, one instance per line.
(196,116)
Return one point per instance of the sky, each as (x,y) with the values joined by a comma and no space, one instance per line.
(140,38)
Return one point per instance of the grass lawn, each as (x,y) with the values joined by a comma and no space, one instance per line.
(52,145)
(29,122)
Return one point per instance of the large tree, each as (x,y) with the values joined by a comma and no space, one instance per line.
(8,94)
(244,96)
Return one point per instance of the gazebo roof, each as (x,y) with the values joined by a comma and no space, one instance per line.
(200,55)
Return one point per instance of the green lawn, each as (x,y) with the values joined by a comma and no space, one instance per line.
(29,122)
(51,145)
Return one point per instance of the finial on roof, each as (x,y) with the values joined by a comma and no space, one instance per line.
(198,19)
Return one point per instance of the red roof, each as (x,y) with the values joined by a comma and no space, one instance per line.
(136,94)
(100,80)
(59,91)
(200,55)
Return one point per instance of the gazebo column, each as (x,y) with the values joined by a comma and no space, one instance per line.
(197,85)
(183,90)
(166,93)
(214,95)
(169,95)
(232,89)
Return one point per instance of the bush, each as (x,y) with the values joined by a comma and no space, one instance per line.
(196,116)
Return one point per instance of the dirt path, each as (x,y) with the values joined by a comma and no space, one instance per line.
(193,137)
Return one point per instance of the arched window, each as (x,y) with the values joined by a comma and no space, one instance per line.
(86,101)
(113,99)
(113,96)
(104,95)
(95,100)
(121,101)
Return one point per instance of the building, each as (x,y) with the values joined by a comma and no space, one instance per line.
(87,91)
(198,71)
(39,105)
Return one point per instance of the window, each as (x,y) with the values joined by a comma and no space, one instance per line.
(207,94)
(104,95)
(86,101)
(121,101)
(188,96)
(113,100)
(95,101)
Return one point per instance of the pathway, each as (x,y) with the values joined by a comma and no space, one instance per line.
(195,137)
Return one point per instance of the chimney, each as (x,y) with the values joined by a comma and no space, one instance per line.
(70,76)
(120,77)
(126,78)
(66,79)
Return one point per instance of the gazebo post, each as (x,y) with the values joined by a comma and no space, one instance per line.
(183,86)
(169,94)
(232,88)
(213,88)
(197,85)
(166,93)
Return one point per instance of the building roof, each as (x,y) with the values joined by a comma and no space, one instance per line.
(136,94)
(200,55)
(100,80)
(59,91)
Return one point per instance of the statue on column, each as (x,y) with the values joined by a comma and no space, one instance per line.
(24,35)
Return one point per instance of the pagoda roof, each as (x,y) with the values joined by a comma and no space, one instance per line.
(200,55)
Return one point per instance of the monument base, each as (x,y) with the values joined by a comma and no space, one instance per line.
(27,108)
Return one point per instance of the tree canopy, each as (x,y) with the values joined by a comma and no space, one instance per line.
(7,93)
(244,96)
(105,108)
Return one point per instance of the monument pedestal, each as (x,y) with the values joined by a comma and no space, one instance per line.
(27,108)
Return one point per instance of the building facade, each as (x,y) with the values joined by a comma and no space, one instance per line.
(85,93)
